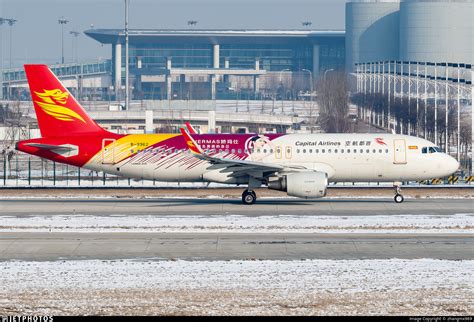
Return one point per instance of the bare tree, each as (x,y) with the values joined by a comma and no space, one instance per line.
(333,102)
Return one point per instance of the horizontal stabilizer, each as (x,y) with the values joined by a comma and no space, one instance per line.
(51,146)
(65,150)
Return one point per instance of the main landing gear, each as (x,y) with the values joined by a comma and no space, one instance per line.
(398,195)
(249,197)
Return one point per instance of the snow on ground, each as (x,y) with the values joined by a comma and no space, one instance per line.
(395,286)
(457,223)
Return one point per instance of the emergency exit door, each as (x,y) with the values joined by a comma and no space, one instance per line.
(108,151)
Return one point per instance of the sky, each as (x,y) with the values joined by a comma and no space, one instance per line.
(36,37)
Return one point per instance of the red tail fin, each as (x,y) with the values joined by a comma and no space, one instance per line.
(57,110)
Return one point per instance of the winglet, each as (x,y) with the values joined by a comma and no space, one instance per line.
(192,145)
(190,128)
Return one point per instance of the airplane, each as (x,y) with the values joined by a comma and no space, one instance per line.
(302,165)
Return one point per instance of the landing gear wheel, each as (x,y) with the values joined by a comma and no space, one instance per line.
(249,197)
(398,198)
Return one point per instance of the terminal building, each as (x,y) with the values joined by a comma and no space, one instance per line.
(218,64)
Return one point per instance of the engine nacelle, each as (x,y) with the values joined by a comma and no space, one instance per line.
(302,184)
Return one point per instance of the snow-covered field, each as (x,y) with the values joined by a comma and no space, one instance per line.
(407,287)
(457,223)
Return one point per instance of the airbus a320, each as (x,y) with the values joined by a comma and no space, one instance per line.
(302,165)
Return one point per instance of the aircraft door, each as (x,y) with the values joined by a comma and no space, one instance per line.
(108,151)
(399,151)
(288,152)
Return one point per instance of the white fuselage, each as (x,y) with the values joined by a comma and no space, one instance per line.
(344,157)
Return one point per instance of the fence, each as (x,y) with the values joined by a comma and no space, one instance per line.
(22,170)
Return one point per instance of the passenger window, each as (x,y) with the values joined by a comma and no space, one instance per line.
(310,150)
(240,151)
(424,150)
(380,151)
(329,150)
(304,150)
(297,150)
(361,151)
(342,150)
(386,150)
(323,151)
(355,150)
(317,150)
(368,151)
(335,150)
(348,150)
(264,150)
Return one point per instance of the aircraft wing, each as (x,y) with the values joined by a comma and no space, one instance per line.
(236,167)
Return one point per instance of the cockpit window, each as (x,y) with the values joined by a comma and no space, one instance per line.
(430,149)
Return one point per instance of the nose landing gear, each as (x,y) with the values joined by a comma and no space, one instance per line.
(398,195)
(249,197)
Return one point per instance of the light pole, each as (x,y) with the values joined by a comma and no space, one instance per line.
(74,34)
(281,84)
(62,21)
(417,97)
(2,21)
(127,96)
(11,22)
(388,97)
(425,133)
(310,96)
(311,81)
(326,71)
(446,115)
(436,104)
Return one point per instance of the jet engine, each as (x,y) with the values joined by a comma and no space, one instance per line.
(301,184)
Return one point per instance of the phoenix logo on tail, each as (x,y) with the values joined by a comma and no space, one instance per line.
(50,105)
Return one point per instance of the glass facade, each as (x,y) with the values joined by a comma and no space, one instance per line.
(332,55)
(306,53)
(272,57)
(155,55)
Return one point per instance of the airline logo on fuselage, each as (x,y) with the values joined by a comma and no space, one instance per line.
(380,141)
(334,143)
(51,102)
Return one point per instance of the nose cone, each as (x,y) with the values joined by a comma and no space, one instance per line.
(452,165)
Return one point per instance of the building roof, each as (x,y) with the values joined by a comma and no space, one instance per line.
(110,36)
